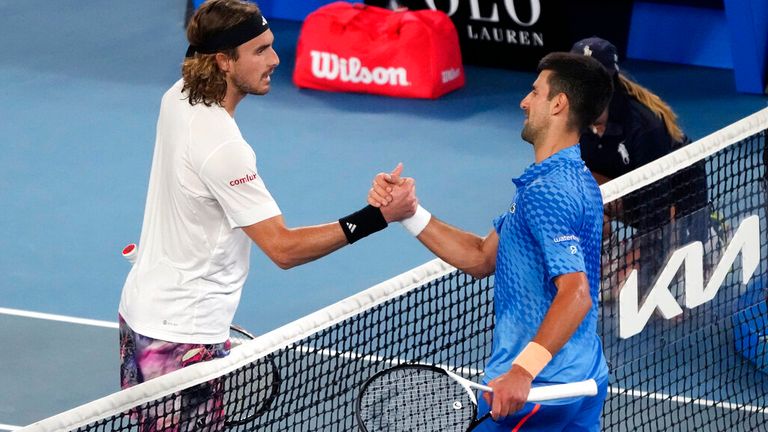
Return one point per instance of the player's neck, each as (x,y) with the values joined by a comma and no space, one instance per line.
(553,142)
(231,99)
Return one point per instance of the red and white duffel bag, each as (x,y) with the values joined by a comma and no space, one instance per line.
(359,48)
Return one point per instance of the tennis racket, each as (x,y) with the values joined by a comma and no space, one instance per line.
(428,398)
(249,391)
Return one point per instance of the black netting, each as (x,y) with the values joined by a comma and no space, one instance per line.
(706,368)
(448,321)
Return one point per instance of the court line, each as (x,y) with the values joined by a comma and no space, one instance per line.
(390,362)
(51,317)
(685,399)
(468,372)
(461,371)
(62,318)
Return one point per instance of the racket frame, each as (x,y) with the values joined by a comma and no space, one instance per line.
(275,387)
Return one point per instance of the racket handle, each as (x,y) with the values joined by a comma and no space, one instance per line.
(562,391)
(555,391)
(130,253)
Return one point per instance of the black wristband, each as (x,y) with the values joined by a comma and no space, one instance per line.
(362,223)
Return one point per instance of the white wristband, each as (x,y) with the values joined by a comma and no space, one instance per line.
(416,223)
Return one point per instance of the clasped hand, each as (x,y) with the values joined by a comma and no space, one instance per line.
(394,195)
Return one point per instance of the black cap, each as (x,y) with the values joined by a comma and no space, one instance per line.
(599,49)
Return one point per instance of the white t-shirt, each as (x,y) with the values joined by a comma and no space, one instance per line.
(193,257)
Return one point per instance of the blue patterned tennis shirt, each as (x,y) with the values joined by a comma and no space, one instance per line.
(553,227)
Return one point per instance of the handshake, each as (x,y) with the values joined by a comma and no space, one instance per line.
(396,197)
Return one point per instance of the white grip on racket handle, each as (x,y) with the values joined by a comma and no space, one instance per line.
(562,391)
(556,391)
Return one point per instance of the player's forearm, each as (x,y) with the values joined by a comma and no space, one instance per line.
(288,247)
(565,315)
(302,245)
(461,249)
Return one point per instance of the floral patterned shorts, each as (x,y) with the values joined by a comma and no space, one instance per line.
(199,408)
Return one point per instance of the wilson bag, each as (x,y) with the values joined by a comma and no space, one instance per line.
(358,48)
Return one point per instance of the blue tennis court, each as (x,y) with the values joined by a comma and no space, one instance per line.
(82,86)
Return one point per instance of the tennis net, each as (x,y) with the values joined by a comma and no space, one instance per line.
(683,319)
(683,311)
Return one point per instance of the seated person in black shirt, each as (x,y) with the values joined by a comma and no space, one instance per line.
(637,128)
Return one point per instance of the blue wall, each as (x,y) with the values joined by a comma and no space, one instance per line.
(748,21)
(735,37)
(680,34)
(292,9)
(295,10)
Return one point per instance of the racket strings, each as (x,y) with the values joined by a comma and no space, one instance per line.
(416,400)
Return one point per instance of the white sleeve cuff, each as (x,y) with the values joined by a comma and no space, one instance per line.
(416,223)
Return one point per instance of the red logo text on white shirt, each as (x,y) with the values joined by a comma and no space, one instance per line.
(241,180)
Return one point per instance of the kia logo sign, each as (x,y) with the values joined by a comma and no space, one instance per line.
(633,316)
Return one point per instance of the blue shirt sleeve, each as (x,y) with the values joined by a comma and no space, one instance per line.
(498,222)
(554,215)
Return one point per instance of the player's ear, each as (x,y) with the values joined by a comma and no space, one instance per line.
(223,61)
(558,104)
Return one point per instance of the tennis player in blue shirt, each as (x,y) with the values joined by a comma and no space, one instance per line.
(545,252)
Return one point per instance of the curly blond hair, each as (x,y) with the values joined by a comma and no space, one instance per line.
(654,103)
(204,82)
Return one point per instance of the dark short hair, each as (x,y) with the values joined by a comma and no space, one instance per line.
(584,81)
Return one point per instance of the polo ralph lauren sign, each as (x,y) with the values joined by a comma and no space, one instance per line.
(517,33)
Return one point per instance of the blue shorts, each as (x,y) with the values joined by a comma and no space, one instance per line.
(582,415)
